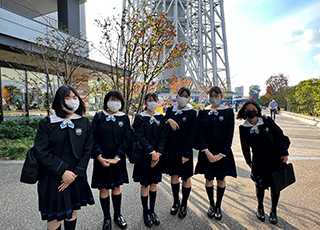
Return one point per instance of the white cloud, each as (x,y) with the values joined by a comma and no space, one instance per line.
(258,51)
(317,58)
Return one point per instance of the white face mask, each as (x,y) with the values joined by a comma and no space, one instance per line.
(182,101)
(72,104)
(114,106)
(215,101)
(152,105)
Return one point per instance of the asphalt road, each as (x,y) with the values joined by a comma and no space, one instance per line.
(299,205)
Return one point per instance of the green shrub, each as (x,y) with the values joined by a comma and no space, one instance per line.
(19,128)
(15,149)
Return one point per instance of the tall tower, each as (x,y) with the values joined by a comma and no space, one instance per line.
(201,24)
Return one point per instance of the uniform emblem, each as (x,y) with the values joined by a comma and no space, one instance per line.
(267,129)
(78,131)
(184,119)
(120,123)
(221,118)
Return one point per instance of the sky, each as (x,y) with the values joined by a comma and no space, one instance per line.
(264,37)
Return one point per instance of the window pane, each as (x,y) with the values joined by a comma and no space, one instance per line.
(13,92)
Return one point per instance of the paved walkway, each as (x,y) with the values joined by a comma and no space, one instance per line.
(299,206)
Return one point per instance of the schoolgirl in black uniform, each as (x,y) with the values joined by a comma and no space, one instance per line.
(268,147)
(215,159)
(178,156)
(64,152)
(111,135)
(150,129)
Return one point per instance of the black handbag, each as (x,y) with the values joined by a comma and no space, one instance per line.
(31,169)
(135,150)
(282,178)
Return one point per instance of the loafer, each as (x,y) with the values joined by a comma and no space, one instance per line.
(121,222)
(260,214)
(183,212)
(211,212)
(155,219)
(273,218)
(218,215)
(175,208)
(147,220)
(106,224)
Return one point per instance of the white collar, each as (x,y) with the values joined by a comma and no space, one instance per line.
(118,114)
(221,107)
(186,108)
(144,114)
(55,119)
(248,124)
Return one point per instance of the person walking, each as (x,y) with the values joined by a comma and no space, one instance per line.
(269,146)
(178,154)
(111,134)
(63,149)
(215,158)
(151,131)
(273,107)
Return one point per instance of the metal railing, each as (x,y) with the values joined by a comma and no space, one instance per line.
(30,13)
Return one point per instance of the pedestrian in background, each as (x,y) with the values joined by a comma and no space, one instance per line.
(273,107)
(64,151)
(269,146)
(215,158)
(178,154)
(111,134)
(150,130)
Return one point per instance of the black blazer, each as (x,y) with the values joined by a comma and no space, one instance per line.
(119,130)
(81,142)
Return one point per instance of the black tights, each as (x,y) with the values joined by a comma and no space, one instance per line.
(274,199)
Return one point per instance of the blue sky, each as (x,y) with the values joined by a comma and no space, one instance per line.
(268,37)
(264,37)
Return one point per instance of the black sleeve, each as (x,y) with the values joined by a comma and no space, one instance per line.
(82,165)
(169,114)
(227,142)
(125,141)
(244,145)
(163,138)
(191,133)
(42,151)
(282,142)
(96,150)
(140,135)
(200,136)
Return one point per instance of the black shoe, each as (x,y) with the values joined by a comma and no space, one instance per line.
(147,220)
(218,214)
(155,219)
(121,222)
(273,218)
(211,212)
(260,214)
(183,212)
(106,224)
(175,208)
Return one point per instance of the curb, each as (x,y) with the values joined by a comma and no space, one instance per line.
(309,120)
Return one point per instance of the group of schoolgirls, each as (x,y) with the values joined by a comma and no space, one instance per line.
(167,147)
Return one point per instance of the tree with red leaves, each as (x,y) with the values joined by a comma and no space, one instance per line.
(140,47)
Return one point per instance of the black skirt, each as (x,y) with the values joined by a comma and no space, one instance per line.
(146,175)
(60,205)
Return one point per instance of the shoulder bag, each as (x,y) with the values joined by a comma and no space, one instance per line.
(31,168)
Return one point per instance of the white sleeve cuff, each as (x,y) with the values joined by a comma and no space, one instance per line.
(222,154)
(117,157)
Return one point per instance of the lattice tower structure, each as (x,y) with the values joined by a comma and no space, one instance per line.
(200,23)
